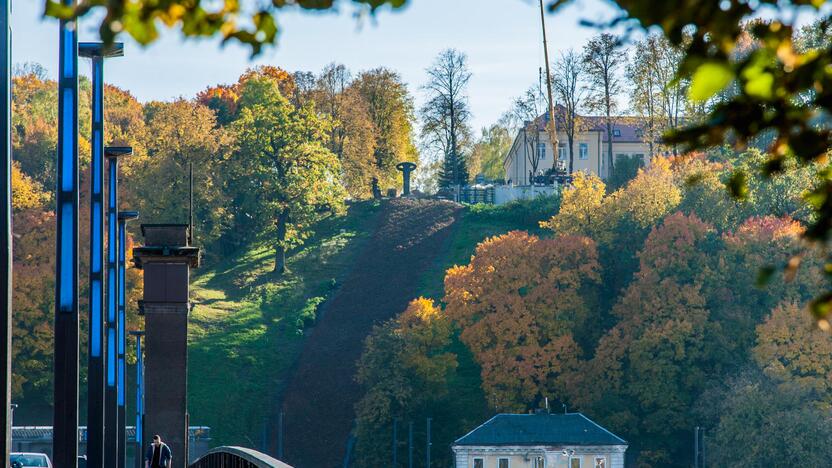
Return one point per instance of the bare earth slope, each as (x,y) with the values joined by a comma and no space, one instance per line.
(319,400)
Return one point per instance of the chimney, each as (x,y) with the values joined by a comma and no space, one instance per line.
(166,258)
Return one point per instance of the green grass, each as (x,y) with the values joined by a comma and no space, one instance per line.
(247,327)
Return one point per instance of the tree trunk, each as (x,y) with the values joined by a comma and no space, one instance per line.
(279,248)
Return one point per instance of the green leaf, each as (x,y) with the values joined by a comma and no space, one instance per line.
(708,79)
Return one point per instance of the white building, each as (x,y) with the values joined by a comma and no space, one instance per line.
(540,440)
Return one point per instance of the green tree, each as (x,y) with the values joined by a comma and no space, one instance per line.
(283,174)
(489,151)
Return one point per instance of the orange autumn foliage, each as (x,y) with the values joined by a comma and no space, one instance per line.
(517,303)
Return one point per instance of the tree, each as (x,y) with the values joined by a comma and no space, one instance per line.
(657,359)
(445,115)
(404,368)
(352,134)
(390,110)
(282,154)
(765,424)
(177,135)
(489,150)
(570,89)
(522,304)
(644,92)
(525,114)
(580,211)
(790,348)
(602,60)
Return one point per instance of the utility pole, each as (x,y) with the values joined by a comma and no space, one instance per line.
(280,436)
(552,128)
(696,447)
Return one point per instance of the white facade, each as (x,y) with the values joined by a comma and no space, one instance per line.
(540,456)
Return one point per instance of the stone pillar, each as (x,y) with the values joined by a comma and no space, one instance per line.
(166,259)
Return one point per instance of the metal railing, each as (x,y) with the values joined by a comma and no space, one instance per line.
(236,457)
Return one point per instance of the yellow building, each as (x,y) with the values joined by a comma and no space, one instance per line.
(532,151)
(539,440)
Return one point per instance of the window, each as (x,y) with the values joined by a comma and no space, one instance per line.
(541,150)
(639,156)
(539,462)
(479,463)
(562,152)
(583,149)
(574,462)
(600,462)
(503,463)
(616,132)
(620,156)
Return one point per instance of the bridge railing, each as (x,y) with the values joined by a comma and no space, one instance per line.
(236,457)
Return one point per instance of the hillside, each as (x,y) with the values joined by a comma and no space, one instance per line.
(249,330)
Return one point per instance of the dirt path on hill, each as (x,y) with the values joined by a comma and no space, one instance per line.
(318,402)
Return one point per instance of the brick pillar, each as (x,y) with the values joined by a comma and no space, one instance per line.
(166,259)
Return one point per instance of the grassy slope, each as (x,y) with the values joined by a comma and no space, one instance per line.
(246,329)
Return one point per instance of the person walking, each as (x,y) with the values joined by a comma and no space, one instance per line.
(158,454)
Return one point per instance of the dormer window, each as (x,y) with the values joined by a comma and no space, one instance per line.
(616,132)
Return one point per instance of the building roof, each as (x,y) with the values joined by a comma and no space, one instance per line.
(540,429)
(629,128)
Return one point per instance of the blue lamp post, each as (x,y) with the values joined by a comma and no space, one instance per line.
(96,375)
(123,217)
(65,421)
(6,232)
(139,397)
(113,153)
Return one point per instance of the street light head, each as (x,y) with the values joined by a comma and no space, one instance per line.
(127,215)
(99,49)
(136,332)
(118,151)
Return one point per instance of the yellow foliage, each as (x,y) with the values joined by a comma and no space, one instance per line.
(580,208)
(26,192)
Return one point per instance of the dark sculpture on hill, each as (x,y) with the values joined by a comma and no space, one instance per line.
(407,168)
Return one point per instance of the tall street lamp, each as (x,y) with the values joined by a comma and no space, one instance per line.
(6,231)
(113,153)
(139,397)
(96,375)
(123,218)
(65,383)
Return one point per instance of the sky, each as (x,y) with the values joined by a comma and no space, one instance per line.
(502,39)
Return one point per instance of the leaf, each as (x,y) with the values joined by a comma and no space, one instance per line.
(708,79)
(764,276)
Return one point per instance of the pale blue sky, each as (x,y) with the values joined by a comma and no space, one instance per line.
(501,38)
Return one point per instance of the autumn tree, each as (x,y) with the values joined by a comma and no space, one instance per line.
(602,60)
(523,305)
(179,134)
(570,90)
(352,133)
(390,110)
(791,348)
(406,366)
(446,115)
(658,357)
(282,155)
